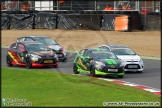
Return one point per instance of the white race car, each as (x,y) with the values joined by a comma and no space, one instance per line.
(132,62)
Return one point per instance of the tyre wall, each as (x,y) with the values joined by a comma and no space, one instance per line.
(72,20)
(44,20)
(5,21)
(68,21)
(21,21)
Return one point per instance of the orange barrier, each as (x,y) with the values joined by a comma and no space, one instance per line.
(121,23)
(61,1)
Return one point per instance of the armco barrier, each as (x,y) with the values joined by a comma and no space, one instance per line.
(5,21)
(21,21)
(68,21)
(45,20)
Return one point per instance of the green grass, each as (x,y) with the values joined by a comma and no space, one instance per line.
(44,88)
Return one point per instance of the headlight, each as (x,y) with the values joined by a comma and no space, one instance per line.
(55,55)
(100,63)
(140,61)
(35,56)
(122,63)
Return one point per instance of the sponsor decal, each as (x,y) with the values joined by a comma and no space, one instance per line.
(14,56)
(111,61)
(81,64)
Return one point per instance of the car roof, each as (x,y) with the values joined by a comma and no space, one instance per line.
(117,46)
(33,36)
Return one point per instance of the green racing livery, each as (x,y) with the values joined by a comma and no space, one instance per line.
(97,61)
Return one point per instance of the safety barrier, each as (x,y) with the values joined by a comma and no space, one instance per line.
(122,23)
(92,20)
(21,21)
(68,21)
(5,21)
(45,20)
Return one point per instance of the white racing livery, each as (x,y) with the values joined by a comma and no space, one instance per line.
(132,61)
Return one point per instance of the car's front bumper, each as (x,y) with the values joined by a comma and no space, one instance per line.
(110,73)
(41,65)
(104,71)
(140,67)
(39,62)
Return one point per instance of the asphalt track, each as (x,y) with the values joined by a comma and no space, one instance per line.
(150,77)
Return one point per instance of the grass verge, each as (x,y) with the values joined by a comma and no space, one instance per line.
(51,89)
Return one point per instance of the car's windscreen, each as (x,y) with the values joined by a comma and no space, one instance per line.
(104,55)
(123,51)
(37,47)
(46,40)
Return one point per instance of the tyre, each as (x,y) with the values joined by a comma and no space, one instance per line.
(28,63)
(55,66)
(64,60)
(92,71)
(120,76)
(75,69)
(8,61)
(139,71)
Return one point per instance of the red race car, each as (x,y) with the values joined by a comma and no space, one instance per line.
(31,54)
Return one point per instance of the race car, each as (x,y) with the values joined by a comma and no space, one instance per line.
(132,61)
(31,54)
(60,51)
(96,61)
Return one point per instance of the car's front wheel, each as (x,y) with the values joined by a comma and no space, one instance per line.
(139,71)
(75,69)
(9,61)
(28,63)
(120,76)
(64,60)
(92,71)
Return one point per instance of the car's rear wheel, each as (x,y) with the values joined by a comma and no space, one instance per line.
(28,63)
(9,61)
(92,71)
(75,69)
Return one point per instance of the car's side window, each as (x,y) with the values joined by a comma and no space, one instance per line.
(81,52)
(13,46)
(21,39)
(87,53)
(21,47)
(28,39)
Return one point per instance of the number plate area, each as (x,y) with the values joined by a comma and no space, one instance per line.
(132,66)
(48,61)
(59,55)
(113,70)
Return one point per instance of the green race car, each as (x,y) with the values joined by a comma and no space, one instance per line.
(97,61)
